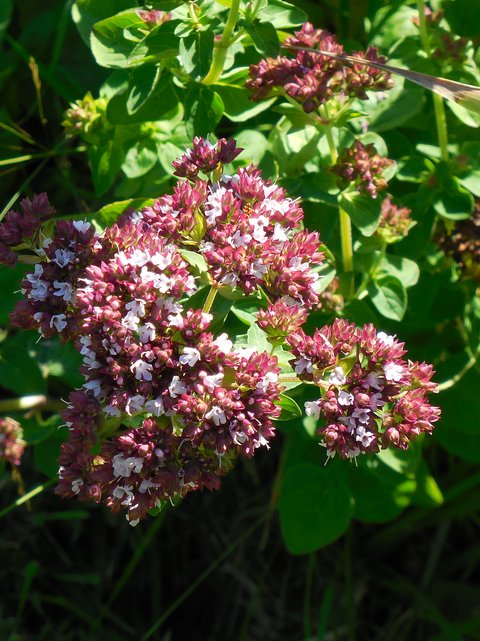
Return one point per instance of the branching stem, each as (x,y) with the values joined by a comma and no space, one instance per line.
(221,48)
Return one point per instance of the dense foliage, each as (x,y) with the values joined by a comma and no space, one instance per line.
(245,237)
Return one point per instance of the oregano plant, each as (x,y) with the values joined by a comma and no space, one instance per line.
(280,235)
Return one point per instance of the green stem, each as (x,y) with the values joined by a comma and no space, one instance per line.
(288,378)
(345,226)
(23,403)
(26,497)
(207,306)
(191,11)
(460,374)
(221,48)
(439,107)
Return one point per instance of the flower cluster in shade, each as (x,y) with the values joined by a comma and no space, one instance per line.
(20,230)
(87,118)
(154,17)
(370,396)
(360,167)
(445,46)
(12,444)
(167,405)
(463,244)
(313,79)
(395,222)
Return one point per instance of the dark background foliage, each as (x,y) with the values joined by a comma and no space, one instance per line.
(216,567)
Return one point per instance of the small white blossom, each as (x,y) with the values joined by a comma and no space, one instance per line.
(337,377)
(217,415)
(345,398)
(95,386)
(63,257)
(176,387)
(362,415)
(146,332)
(386,339)
(190,356)
(135,404)
(364,436)
(213,204)
(136,307)
(373,380)
(112,410)
(142,370)
(76,485)
(223,343)
(312,409)
(263,383)
(155,406)
(212,381)
(239,240)
(81,225)
(63,289)
(59,321)
(393,372)
(279,233)
(303,365)
(125,466)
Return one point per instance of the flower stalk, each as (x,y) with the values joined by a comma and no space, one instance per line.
(439,108)
(221,48)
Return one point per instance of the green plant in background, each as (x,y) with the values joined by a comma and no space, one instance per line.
(272,326)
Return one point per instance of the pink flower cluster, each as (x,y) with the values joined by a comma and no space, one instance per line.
(21,230)
(394,222)
(362,168)
(169,404)
(311,78)
(281,318)
(50,302)
(245,227)
(12,444)
(205,157)
(371,397)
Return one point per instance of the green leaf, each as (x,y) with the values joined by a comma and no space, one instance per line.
(161,104)
(86,13)
(245,317)
(108,41)
(237,104)
(315,507)
(427,493)
(106,160)
(454,203)
(19,370)
(404,269)
(469,118)
(160,44)
(6,8)
(290,408)
(264,37)
(195,259)
(389,297)
(46,453)
(282,14)
(142,84)
(140,158)
(196,52)
(109,214)
(10,280)
(204,110)
(363,210)
(257,338)
(380,493)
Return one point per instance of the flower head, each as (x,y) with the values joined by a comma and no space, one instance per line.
(312,78)
(371,397)
(12,444)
